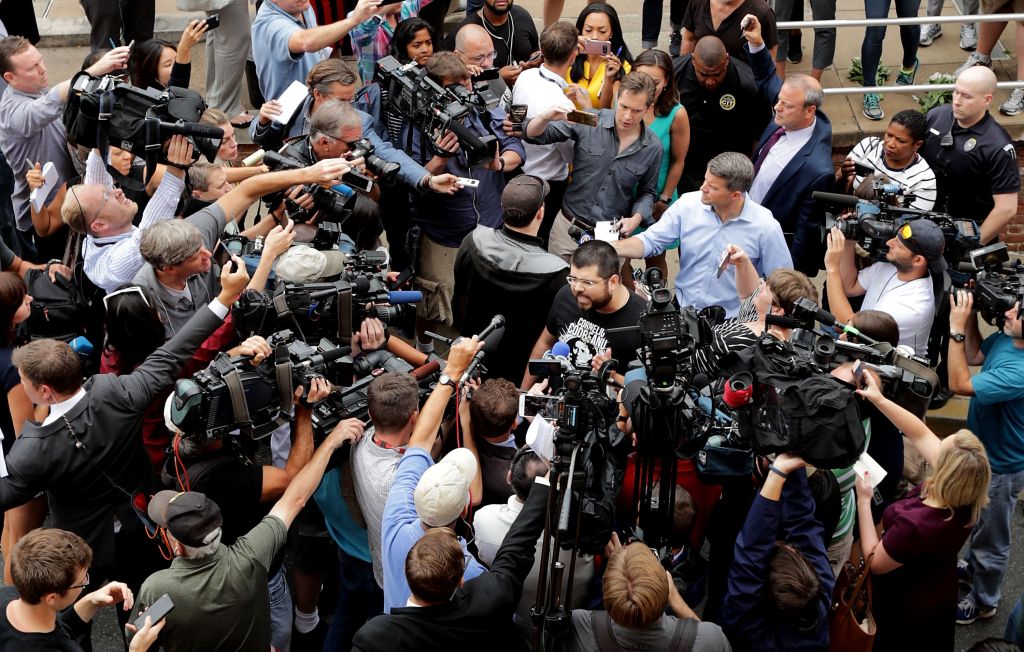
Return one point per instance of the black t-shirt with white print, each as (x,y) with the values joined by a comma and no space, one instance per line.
(585,330)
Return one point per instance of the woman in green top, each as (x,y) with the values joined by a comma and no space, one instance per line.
(668,120)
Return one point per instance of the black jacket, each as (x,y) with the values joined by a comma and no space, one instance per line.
(108,423)
(480,614)
(511,274)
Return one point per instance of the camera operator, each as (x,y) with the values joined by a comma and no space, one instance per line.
(333,79)
(705,223)
(779,591)
(973,157)
(904,286)
(637,591)
(615,167)
(87,454)
(594,300)
(445,221)
(104,214)
(219,591)
(424,495)
(896,156)
(30,118)
(996,415)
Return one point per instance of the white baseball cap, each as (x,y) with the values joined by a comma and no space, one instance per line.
(442,493)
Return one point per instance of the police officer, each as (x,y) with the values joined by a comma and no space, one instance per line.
(973,157)
(727,111)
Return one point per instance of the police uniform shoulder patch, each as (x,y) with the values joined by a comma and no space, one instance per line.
(970,144)
(727,102)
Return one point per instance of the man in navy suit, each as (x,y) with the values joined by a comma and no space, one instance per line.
(794,156)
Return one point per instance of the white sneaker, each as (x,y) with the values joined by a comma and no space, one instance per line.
(1014,105)
(973,60)
(929,33)
(968,37)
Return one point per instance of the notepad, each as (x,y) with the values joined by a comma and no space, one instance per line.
(39,195)
(867,464)
(290,100)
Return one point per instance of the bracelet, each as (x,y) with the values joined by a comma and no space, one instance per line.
(774,469)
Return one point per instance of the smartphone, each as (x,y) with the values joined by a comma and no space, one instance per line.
(601,48)
(221,254)
(582,118)
(858,374)
(157,611)
(537,56)
(357,181)
(723,264)
(487,74)
(517,113)
(534,404)
(862,170)
(213,22)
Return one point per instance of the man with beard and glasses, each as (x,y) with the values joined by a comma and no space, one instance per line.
(594,301)
(904,286)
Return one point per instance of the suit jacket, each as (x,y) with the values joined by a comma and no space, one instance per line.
(108,423)
(480,614)
(790,198)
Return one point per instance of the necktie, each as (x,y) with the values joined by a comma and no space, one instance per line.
(768,144)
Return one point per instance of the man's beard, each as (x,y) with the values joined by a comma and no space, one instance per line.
(498,11)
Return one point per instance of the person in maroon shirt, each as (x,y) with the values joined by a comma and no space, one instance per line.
(913,565)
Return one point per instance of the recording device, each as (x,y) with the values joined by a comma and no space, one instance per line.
(862,170)
(213,22)
(436,110)
(103,111)
(485,75)
(236,245)
(533,404)
(594,46)
(334,309)
(517,115)
(335,203)
(156,612)
(998,285)
(385,171)
(582,117)
(467,182)
(254,159)
(877,221)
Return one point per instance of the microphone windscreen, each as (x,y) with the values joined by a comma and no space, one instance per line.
(560,349)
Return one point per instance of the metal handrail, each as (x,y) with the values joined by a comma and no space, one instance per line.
(917,20)
(912,88)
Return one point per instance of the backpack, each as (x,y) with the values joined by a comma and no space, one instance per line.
(683,638)
(60,310)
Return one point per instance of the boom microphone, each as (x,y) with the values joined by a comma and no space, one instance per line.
(498,321)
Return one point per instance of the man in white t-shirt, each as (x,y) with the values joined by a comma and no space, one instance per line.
(895,156)
(540,88)
(903,287)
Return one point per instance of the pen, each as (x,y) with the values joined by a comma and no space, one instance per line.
(30,163)
(618,52)
(112,44)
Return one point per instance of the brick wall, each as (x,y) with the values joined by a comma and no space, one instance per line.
(1014,235)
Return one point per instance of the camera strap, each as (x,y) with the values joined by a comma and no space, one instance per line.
(238,403)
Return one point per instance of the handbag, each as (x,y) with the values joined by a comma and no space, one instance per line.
(851,625)
(201,5)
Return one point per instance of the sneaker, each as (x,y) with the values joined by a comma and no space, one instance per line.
(872,107)
(968,36)
(940,398)
(796,50)
(1014,105)
(967,612)
(907,78)
(929,33)
(675,43)
(963,573)
(973,60)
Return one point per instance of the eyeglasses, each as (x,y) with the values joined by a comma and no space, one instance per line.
(84,583)
(134,289)
(480,58)
(585,282)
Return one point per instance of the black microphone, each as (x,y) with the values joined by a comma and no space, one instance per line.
(277,161)
(191,129)
(835,198)
(781,320)
(496,322)
(820,314)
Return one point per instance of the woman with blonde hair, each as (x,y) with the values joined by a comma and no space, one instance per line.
(913,564)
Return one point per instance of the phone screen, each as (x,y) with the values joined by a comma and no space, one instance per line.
(221,254)
(518,113)
(533,404)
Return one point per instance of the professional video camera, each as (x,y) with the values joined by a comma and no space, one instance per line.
(875,222)
(334,309)
(998,285)
(103,111)
(435,109)
(334,204)
(232,393)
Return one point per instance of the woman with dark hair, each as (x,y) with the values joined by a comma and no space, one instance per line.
(159,64)
(371,39)
(668,120)
(596,75)
(15,306)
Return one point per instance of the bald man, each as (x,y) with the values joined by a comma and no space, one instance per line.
(509,33)
(977,173)
(794,156)
(726,110)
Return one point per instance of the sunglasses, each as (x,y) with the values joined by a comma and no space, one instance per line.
(134,289)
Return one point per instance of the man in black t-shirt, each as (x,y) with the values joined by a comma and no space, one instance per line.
(594,301)
(723,20)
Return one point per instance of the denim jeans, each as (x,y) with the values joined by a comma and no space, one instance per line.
(359,599)
(871,48)
(989,549)
(280,611)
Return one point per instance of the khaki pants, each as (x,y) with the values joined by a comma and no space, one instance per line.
(435,278)
(560,243)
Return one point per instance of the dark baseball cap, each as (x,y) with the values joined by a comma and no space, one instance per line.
(925,238)
(524,195)
(189,516)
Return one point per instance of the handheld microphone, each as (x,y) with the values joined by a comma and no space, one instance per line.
(254,159)
(560,352)
(781,320)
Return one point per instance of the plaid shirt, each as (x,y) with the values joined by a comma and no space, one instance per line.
(371,39)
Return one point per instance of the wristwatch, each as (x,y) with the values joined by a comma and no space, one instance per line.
(445,379)
(665,199)
(957,337)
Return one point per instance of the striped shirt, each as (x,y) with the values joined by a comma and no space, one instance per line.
(917,178)
(112,261)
